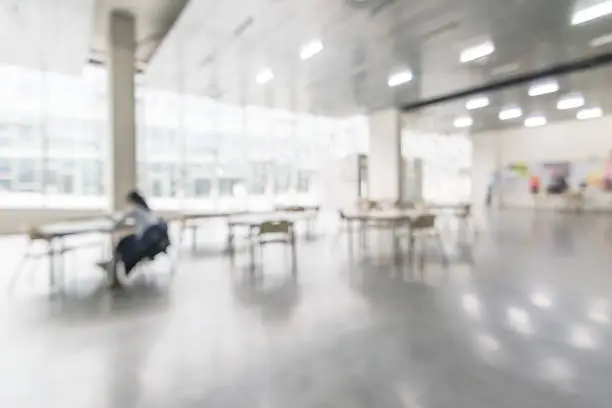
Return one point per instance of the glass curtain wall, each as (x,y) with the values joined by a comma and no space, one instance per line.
(193,153)
(52,138)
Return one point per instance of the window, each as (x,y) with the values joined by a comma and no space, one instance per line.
(303,182)
(282,180)
(231,187)
(191,150)
(259,173)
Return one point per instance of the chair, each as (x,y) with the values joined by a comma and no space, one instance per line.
(160,243)
(368,205)
(423,228)
(270,232)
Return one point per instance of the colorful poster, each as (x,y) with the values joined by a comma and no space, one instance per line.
(557,177)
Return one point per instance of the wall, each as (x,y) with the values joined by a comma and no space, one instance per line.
(562,141)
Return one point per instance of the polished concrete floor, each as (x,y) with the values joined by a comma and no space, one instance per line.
(528,325)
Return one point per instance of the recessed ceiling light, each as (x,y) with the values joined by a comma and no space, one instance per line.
(570,102)
(463,122)
(264,76)
(477,103)
(541,300)
(590,113)
(592,12)
(505,69)
(535,121)
(543,88)
(510,113)
(399,78)
(311,49)
(477,52)
(601,41)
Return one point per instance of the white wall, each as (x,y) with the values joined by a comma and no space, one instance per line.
(563,141)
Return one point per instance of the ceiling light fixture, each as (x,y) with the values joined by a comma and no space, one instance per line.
(592,12)
(535,121)
(590,113)
(463,122)
(601,41)
(264,76)
(477,52)
(543,88)
(570,102)
(541,300)
(510,113)
(399,78)
(477,103)
(311,49)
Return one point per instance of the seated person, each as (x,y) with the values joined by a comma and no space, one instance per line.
(150,236)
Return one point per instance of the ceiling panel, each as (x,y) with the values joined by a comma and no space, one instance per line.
(588,84)
(45,34)
(154,19)
(217,48)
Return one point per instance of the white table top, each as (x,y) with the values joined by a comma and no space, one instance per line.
(256,219)
(391,214)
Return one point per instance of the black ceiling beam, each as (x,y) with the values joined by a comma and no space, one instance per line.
(558,70)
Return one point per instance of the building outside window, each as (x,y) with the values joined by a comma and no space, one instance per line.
(192,152)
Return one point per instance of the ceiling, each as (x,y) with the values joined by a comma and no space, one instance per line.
(154,19)
(216,49)
(592,86)
(63,35)
(30,31)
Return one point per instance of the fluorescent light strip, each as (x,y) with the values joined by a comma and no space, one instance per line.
(601,41)
(593,12)
(477,103)
(264,76)
(570,102)
(510,113)
(535,121)
(311,49)
(399,78)
(590,113)
(477,52)
(543,88)
(463,122)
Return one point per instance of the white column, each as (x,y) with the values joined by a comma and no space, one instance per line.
(385,168)
(121,94)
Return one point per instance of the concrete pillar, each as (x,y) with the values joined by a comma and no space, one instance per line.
(121,95)
(385,167)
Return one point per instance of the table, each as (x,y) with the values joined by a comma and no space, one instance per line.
(55,235)
(253,220)
(239,218)
(190,221)
(395,218)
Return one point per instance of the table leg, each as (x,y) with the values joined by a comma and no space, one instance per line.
(51,253)
(362,235)
(230,240)
(112,270)
(194,238)
(293,252)
(396,249)
(252,250)
(349,234)
(411,249)
(62,264)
